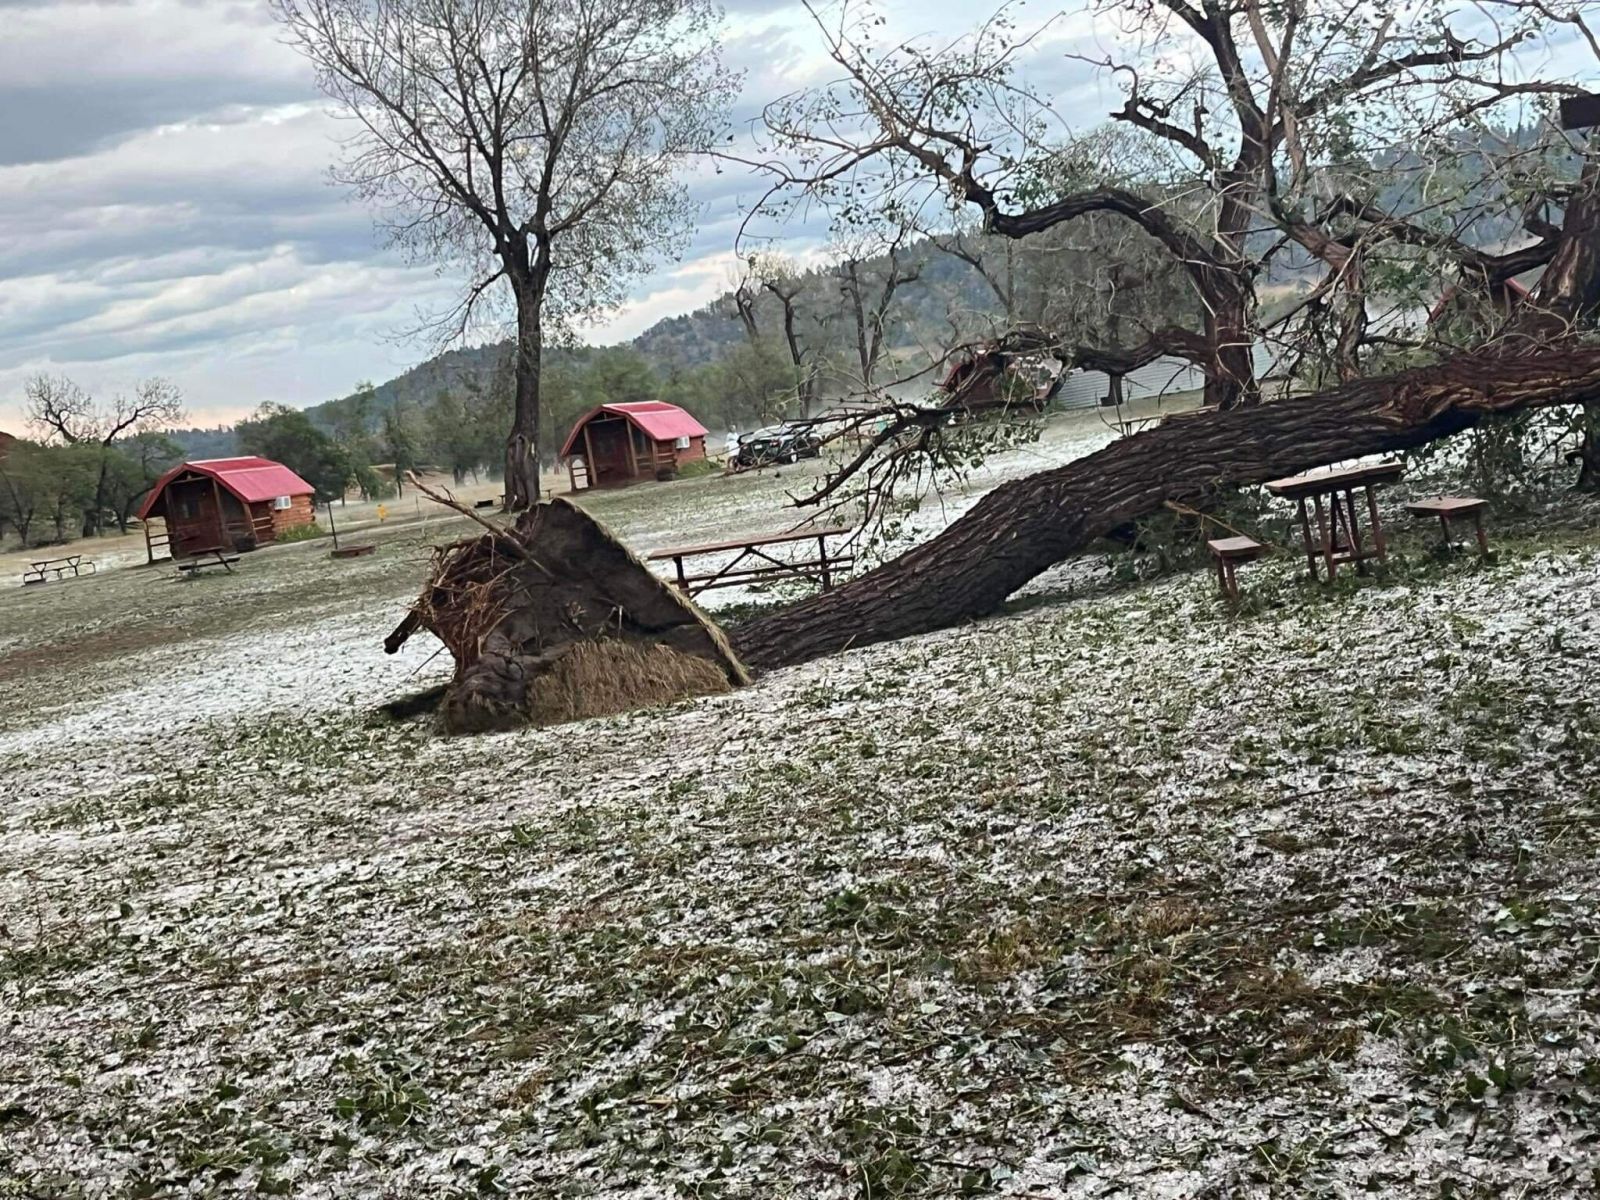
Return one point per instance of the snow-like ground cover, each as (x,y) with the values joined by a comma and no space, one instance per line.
(1118,894)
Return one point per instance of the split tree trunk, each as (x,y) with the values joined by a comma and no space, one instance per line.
(1026,526)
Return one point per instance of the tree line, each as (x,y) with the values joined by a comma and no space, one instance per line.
(91,462)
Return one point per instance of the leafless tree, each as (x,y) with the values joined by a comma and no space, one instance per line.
(58,408)
(532,141)
(870,269)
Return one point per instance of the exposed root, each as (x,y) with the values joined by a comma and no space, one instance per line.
(553,619)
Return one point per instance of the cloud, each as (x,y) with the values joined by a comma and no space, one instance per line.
(164,204)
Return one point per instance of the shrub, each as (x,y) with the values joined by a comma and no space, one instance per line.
(302,533)
(701,466)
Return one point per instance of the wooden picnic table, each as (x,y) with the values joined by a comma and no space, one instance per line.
(1338,538)
(75,563)
(764,566)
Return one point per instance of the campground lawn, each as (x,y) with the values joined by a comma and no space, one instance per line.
(1119,893)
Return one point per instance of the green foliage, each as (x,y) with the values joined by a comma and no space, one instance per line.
(287,435)
(45,491)
(400,437)
(698,469)
(1510,458)
(464,431)
(351,421)
(302,533)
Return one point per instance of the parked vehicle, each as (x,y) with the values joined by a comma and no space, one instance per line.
(775,444)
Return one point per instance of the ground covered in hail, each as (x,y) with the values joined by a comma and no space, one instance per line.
(1119,894)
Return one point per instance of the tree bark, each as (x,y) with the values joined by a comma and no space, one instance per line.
(1026,526)
(1569,292)
(91,519)
(522,444)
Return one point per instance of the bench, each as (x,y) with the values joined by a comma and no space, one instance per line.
(762,566)
(1229,553)
(199,560)
(59,567)
(1448,508)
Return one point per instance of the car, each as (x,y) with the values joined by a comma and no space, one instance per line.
(776,444)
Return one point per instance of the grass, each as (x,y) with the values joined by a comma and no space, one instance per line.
(1122,892)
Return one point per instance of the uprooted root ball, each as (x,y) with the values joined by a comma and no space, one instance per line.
(554,619)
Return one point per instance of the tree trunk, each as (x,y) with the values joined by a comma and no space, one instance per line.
(1569,292)
(1026,526)
(91,519)
(1588,451)
(522,446)
(1230,336)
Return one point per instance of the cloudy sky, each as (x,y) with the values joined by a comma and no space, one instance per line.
(165,209)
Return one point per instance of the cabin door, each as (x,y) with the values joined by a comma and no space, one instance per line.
(608,441)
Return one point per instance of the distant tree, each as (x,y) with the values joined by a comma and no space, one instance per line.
(68,485)
(750,385)
(23,474)
(453,439)
(134,465)
(353,420)
(401,441)
(873,265)
(533,141)
(799,322)
(57,407)
(288,436)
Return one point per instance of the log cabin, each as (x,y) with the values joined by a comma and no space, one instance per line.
(625,443)
(224,504)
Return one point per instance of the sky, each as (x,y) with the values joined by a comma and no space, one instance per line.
(165,207)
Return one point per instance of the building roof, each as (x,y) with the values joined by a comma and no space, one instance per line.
(251,479)
(660,420)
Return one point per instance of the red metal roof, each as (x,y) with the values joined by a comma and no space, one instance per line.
(251,479)
(660,420)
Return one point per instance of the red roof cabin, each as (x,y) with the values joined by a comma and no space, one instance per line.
(624,443)
(224,504)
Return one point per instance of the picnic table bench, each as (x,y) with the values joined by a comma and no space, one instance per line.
(1229,552)
(1338,537)
(212,556)
(762,565)
(1448,508)
(59,567)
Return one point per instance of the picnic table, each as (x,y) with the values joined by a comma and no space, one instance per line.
(74,563)
(210,556)
(763,566)
(1338,538)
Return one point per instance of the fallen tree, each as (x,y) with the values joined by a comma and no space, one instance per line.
(1027,526)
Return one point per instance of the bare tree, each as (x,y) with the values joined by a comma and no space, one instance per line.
(869,289)
(57,407)
(533,141)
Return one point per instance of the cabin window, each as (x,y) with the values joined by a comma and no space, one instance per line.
(682,443)
(281,503)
